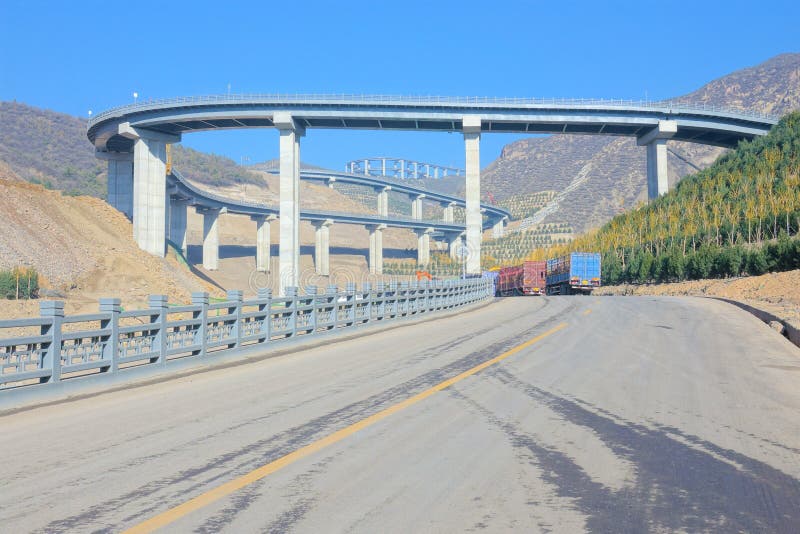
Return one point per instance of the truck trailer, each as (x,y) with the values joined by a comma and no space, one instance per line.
(576,273)
(525,279)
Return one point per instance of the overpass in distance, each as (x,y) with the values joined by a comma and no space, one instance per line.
(134,137)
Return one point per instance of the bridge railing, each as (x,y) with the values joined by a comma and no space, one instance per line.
(674,106)
(54,348)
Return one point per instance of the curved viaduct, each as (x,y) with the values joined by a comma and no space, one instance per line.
(183,194)
(136,136)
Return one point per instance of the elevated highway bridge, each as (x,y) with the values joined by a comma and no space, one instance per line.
(134,137)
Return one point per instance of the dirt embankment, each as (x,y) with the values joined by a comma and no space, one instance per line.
(775,293)
(83,250)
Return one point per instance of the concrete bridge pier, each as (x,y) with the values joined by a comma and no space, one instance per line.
(383,200)
(448,215)
(322,247)
(210,238)
(177,223)
(290,134)
(120,180)
(657,171)
(424,246)
(499,228)
(453,246)
(263,241)
(149,186)
(376,248)
(471,126)
(416,206)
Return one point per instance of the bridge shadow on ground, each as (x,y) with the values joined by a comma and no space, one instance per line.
(682,482)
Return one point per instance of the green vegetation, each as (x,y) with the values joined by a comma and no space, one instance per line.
(525,205)
(736,217)
(210,169)
(513,248)
(19,283)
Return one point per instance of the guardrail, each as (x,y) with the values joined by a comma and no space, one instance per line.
(112,341)
(673,106)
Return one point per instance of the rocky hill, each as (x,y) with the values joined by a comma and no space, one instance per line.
(611,170)
(49,148)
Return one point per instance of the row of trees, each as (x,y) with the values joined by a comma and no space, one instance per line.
(735,217)
(19,283)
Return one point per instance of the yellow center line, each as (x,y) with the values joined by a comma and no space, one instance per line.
(587,312)
(173,514)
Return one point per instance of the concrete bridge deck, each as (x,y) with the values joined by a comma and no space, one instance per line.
(640,414)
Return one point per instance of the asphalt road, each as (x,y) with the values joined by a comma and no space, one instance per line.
(615,414)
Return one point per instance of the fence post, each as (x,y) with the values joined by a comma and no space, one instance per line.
(264,295)
(311,291)
(111,349)
(236,296)
(350,301)
(159,321)
(291,292)
(366,287)
(333,291)
(200,299)
(53,309)
(395,299)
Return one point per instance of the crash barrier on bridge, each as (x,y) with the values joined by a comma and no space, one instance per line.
(111,341)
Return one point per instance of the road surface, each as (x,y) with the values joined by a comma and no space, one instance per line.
(530,414)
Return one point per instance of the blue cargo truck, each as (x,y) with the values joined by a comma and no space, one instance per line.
(578,272)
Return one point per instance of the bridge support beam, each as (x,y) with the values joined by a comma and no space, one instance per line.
(263,241)
(383,201)
(177,224)
(322,247)
(448,213)
(454,245)
(290,134)
(471,126)
(424,246)
(210,239)
(149,195)
(376,248)
(120,180)
(416,206)
(657,171)
(498,229)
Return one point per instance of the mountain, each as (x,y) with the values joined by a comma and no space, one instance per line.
(49,148)
(608,173)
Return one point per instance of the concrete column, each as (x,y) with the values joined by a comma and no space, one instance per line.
(120,180)
(656,142)
(454,245)
(210,239)
(149,195)
(498,229)
(177,224)
(402,168)
(290,135)
(376,248)
(424,246)
(322,247)
(383,200)
(383,166)
(448,215)
(471,126)
(416,206)
(263,241)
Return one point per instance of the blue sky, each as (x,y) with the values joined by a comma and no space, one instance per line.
(78,56)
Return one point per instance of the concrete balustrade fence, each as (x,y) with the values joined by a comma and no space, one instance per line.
(113,341)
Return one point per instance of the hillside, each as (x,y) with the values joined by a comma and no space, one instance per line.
(83,250)
(613,169)
(50,148)
(735,217)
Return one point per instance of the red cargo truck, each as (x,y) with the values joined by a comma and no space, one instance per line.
(534,277)
(525,279)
